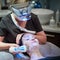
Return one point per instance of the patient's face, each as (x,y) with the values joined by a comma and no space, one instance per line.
(29,39)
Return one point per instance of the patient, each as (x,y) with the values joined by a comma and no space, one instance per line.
(33,47)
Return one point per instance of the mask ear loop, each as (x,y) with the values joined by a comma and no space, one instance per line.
(29,9)
(16,11)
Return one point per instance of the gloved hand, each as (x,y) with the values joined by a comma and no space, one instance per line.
(18,51)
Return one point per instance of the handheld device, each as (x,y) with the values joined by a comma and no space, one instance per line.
(22,48)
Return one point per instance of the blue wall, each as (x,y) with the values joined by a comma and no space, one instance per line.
(54,4)
(51,4)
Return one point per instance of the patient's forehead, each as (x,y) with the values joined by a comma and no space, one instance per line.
(28,37)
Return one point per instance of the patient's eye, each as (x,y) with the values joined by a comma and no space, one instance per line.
(27,39)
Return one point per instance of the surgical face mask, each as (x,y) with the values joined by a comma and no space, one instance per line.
(23,14)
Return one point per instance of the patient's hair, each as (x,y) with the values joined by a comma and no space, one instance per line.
(21,43)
